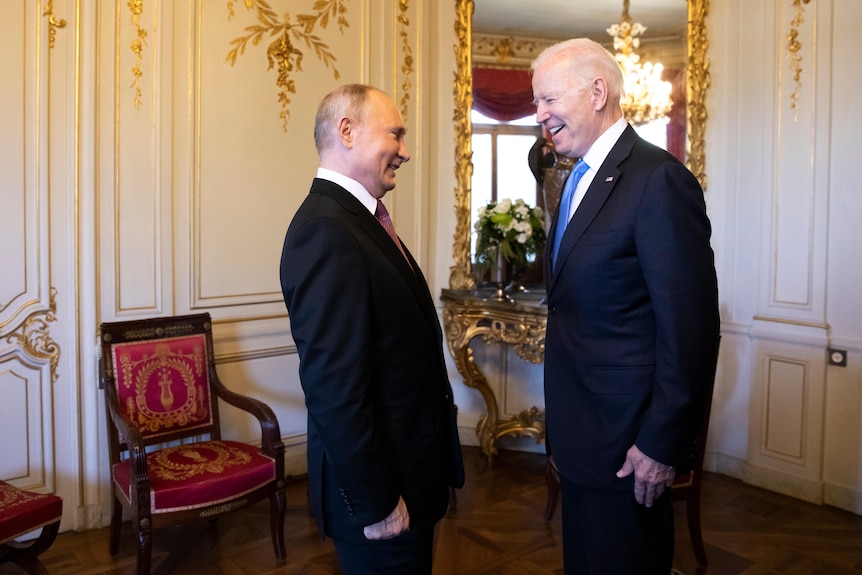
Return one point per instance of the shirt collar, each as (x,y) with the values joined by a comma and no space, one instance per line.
(600,149)
(356,189)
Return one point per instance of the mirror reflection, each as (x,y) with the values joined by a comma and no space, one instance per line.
(506,150)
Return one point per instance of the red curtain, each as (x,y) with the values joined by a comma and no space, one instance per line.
(503,95)
(507,95)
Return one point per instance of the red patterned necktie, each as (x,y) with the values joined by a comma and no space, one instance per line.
(383,217)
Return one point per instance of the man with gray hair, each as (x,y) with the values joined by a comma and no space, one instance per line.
(633,323)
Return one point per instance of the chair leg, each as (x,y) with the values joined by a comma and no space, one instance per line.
(692,508)
(277,512)
(26,555)
(116,525)
(145,548)
(553,480)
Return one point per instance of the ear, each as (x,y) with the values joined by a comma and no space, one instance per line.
(599,94)
(346,131)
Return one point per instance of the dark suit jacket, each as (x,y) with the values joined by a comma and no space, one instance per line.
(381,420)
(633,321)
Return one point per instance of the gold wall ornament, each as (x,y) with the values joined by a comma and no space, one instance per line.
(136,7)
(407,65)
(506,51)
(793,47)
(460,276)
(281,53)
(697,82)
(34,338)
(53,23)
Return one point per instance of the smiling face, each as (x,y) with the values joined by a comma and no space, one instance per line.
(576,90)
(377,145)
(564,107)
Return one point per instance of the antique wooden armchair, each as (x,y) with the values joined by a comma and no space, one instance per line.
(22,512)
(169,463)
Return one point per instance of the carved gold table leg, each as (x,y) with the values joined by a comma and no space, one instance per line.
(525,331)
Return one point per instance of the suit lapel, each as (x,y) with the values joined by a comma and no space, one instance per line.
(596,195)
(369,225)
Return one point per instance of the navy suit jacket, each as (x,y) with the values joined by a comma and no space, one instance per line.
(381,418)
(633,322)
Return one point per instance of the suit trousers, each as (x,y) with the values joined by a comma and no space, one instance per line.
(408,554)
(607,532)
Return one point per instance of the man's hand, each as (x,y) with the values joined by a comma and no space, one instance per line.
(393,525)
(651,477)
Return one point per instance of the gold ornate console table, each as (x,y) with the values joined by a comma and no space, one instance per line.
(519,322)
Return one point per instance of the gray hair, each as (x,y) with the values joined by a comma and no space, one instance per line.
(348,100)
(588,60)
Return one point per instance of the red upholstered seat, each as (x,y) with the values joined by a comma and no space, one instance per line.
(191,476)
(169,462)
(24,511)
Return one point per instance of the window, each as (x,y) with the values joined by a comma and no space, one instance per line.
(500,167)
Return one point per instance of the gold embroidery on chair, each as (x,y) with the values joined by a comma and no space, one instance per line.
(171,470)
(160,370)
(282,53)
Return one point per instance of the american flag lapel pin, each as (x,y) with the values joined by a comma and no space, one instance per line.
(609,179)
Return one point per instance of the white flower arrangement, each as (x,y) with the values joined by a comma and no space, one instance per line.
(513,228)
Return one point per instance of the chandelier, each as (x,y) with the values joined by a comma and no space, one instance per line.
(646,96)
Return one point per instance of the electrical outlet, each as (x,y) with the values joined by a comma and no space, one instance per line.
(837,357)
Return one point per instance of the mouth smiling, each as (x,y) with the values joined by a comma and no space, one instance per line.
(556,130)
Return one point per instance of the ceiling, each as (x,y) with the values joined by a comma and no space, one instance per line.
(562,19)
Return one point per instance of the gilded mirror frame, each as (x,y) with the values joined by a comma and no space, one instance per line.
(696,80)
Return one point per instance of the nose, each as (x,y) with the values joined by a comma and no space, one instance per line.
(403,152)
(541,114)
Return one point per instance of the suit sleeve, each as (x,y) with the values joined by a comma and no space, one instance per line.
(672,237)
(326,283)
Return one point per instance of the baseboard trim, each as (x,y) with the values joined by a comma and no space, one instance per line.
(842,498)
(784,483)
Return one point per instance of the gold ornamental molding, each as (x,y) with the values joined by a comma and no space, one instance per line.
(506,51)
(697,82)
(468,316)
(407,65)
(54,23)
(460,276)
(282,53)
(34,338)
(793,48)
(136,7)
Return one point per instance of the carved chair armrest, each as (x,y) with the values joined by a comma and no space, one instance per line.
(270,431)
(135,444)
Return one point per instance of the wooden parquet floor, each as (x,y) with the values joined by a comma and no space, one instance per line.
(497,528)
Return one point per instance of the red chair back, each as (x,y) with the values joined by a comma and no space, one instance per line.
(163,385)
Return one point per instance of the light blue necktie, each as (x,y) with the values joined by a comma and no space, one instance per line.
(566,205)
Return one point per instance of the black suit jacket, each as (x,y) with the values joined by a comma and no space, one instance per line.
(633,320)
(381,420)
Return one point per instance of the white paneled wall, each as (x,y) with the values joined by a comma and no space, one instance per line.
(787,237)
